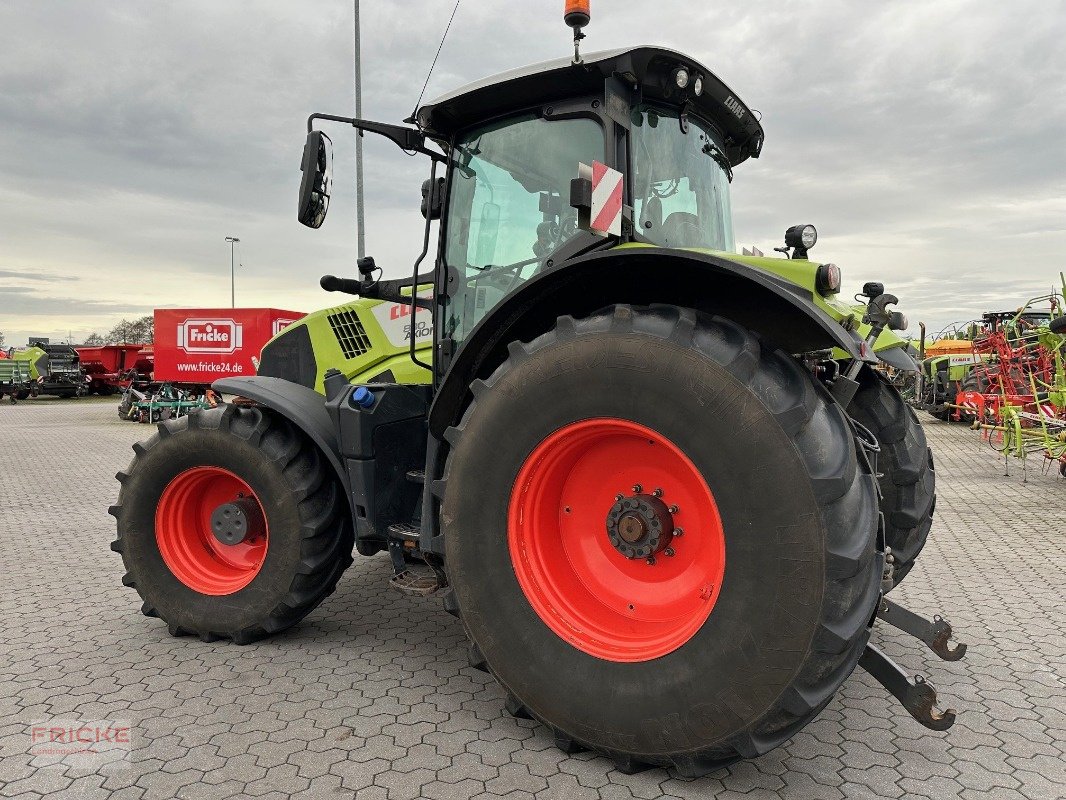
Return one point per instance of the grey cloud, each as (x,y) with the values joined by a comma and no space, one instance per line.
(22,302)
(924,139)
(33,275)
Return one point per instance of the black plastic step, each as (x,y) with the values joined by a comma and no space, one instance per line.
(417,581)
(404,531)
(416,476)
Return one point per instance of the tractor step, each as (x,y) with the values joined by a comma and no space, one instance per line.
(404,531)
(417,580)
(917,696)
(935,634)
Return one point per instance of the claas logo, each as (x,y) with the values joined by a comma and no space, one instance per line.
(209,335)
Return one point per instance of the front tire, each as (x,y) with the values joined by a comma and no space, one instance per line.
(296,527)
(780,628)
(905,464)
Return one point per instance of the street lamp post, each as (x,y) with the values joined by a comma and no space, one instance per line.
(232,274)
(359,214)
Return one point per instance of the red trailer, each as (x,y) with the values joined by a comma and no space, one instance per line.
(108,366)
(200,345)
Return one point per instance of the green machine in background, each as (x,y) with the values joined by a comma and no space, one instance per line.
(16,378)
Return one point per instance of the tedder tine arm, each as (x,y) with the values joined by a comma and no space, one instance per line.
(917,696)
(935,634)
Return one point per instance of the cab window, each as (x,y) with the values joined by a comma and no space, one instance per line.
(509,208)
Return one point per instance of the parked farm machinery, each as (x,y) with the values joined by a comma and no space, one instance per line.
(945,363)
(53,369)
(109,366)
(1017,363)
(1021,420)
(16,380)
(162,401)
(661,484)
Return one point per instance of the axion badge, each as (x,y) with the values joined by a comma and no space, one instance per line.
(209,335)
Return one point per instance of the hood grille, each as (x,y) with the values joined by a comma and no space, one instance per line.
(351,336)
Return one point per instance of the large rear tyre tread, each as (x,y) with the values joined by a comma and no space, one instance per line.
(905,463)
(841,483)
(270,443)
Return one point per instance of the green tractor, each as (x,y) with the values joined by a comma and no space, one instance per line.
(943,377)
(659,483)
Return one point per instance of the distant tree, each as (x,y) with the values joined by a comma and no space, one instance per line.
(120,334)
(146,329)
(138,331)
(94,339)
(1,338)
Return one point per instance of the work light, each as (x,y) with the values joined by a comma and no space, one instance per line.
(681,77)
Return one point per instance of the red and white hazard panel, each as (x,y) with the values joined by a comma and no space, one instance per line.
(605,209)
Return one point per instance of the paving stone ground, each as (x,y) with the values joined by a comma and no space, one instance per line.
(372,696)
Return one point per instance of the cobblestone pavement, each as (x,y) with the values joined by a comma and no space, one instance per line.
(372,694)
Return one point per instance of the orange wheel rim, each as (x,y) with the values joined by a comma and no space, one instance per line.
(616,540)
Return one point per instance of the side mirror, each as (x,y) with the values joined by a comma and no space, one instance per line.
(317,181)
(432,198)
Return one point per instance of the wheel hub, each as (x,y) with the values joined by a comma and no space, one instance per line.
(640,526)
(238,521)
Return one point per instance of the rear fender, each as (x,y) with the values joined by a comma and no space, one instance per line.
(783,314)
(898,357)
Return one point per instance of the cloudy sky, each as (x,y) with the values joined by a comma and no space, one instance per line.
(924,139)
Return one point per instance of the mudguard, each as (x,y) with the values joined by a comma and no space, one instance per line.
(782,313)
(899,358)
(303,407)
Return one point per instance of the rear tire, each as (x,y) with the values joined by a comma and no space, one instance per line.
(308,528)
(908,479)
(799,515)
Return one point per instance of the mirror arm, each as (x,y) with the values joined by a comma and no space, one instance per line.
(410,139)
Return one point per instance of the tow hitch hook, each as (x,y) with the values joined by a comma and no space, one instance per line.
(917,696)
(935,634)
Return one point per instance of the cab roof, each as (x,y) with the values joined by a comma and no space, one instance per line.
(648,68)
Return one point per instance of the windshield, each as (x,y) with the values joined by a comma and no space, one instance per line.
(681,183)
(509,208)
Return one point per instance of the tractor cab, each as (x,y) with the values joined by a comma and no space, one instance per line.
(666,130)
(561,159)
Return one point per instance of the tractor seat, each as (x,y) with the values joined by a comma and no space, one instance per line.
(681,229)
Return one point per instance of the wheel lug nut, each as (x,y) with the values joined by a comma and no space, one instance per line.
(668,551)
(673,509)
(619,497)
(658,493)
(679,531)
(637,488)
(651,560)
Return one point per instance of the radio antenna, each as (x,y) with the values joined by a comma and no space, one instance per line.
(440,47)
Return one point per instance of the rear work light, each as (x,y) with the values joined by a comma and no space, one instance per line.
(827,279)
